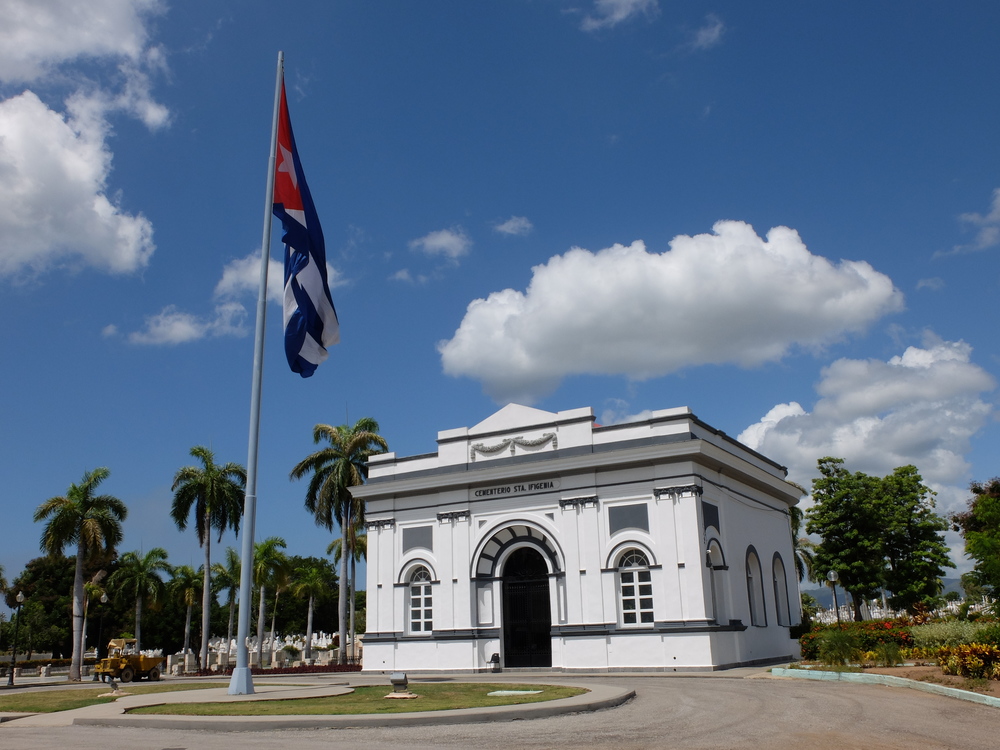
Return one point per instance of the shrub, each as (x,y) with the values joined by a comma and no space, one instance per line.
(955,633)
(888,655)
(989,633)
(869,635)
(974,660)
(837,648)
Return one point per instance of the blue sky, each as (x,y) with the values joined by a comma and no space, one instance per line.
(783,215)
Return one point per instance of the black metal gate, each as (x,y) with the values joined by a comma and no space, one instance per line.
(527,620)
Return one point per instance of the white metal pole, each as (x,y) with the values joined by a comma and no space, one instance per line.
(241,682)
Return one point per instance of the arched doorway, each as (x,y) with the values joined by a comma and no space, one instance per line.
(527,618)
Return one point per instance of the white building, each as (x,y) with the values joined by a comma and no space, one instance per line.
(551,541)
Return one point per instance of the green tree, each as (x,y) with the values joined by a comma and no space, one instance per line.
(215,494)
(90,521)
(185,587)
(48,581)
(334,469)
(268,561)
(980,527)
(310,583)
(138,579)
(845,516)
(878,533)
(912,540)
(227,578)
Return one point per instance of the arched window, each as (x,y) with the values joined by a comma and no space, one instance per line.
(635,589)
(755,589)
(421,602)
(780,590)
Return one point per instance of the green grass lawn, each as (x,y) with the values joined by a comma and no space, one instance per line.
(47,701)
(371,700)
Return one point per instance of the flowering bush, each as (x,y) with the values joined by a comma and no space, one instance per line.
(868,635)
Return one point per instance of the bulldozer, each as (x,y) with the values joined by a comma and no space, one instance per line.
(125,663)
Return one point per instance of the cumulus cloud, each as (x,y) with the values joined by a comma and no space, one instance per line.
(610,13)
(173,326)
(54,165)
(54,207)
(451,243)
(921,407)
(725,297)
(515,225)
(38,35)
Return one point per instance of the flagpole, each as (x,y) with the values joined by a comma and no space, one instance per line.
(241,682)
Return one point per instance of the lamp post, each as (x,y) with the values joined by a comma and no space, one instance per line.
(100,636)
(833,576)
(13,650)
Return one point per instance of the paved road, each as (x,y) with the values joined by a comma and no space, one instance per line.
(703,713)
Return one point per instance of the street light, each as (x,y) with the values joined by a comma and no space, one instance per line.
(100,637)
(13,651)
(833,576)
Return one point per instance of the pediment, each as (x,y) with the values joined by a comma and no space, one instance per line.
(514,417)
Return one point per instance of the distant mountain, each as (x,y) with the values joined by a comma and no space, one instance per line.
(824,596)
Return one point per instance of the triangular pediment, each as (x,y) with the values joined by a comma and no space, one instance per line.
(514,417)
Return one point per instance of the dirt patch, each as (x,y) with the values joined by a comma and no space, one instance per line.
(935,675)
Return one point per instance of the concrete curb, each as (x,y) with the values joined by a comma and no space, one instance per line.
(599,697)
(890,681)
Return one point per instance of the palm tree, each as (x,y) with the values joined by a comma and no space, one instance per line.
(310,582)
(227,578)
(268,561)
(802,548)
(185,586)
(358,544)
(216,495)
(91,590)
(334,469)
(93,523)
(138,579)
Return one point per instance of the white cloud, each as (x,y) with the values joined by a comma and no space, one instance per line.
(610,13)
(38,35)
(988,225)
(933,284)
(172,326)
(726,297)
(451,243)
(109,331)
(919,408)
(709,35)
(242,276)
(54,210)
(54,166)
(515,225)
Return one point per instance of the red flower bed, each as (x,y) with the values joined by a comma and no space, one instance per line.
(869,634)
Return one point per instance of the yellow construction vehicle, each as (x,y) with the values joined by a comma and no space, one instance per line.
(125,663)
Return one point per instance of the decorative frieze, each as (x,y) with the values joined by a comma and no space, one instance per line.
(512,443)
(380,523)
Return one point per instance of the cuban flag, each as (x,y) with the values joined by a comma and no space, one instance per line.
(311,323)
